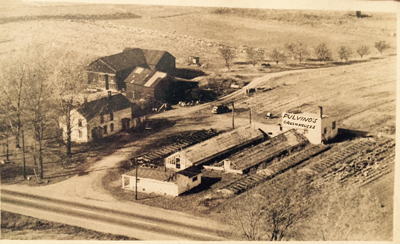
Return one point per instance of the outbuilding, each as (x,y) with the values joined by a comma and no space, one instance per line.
(317,128)
(215,148)
(162,182)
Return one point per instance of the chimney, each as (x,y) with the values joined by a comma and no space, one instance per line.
(109,95)
(320,111)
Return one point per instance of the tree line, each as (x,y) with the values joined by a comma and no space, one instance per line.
(298,51)
(38,87)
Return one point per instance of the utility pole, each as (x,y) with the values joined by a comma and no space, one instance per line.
(7,157)
(233,115)
(136,164)
(23,153)
(250,115)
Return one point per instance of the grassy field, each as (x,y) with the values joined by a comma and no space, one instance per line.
(363,97)
(20,227)
(185,31)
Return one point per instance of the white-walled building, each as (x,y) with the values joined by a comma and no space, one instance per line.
(162,182)
(215,147)
(317,128)
(101,118)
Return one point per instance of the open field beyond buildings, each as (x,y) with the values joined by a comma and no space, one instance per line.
(361,93)
(185,31)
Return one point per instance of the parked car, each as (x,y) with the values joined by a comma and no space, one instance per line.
(220,109)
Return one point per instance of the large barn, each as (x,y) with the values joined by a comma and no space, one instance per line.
(110,72)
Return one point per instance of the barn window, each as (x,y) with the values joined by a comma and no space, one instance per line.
(177,160)
(101,119)
(111,116)
(105,129)
(111,127)
(80,123)
(333,125)
(325,130)
(178,166)
(194,179)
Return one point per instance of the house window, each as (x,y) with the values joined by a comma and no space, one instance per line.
(194,179)
(80,134)
(80,123)
(177,160)
(333,125)
(105,129)
(178,166)
(111,127)
(325,130)
(111,116)
(101,119)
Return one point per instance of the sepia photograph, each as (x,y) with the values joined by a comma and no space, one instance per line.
(198,120)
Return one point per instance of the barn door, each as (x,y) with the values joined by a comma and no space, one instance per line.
(125,123)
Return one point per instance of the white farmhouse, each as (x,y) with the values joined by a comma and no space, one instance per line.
(317,128)
(101,118)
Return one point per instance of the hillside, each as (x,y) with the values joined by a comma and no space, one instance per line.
(184,31)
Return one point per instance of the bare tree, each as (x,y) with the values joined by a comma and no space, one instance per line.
(247,216)
(344,53)
(322,52)
(254,55)
(346,213)
(298,51)
(68,83)
(275,212)
(277,56)
(293,206)
(40,106)
(12,104)
(228,54)
(381,46)
(363,50)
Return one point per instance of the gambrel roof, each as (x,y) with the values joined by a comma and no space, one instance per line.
(129,58)
(120,61)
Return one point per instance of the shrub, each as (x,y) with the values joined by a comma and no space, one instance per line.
(344,53)
(228,55)
(298,51)
(322,52)
(381,46)
(363,50)
(277,55)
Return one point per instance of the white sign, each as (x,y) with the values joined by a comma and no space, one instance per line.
(300,121)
